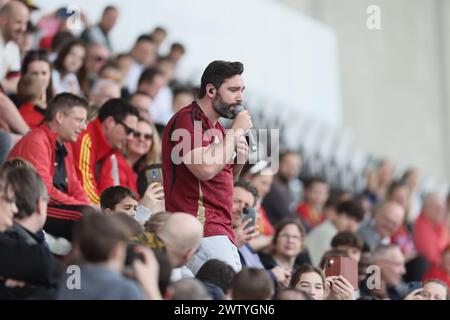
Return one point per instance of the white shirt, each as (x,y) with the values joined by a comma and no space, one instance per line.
(161,108)
(132,79)
(69,83)
(318,241)
(9,57)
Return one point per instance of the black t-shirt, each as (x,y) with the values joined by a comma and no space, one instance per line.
(60,177)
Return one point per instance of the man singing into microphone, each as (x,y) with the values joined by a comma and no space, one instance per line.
(198,178)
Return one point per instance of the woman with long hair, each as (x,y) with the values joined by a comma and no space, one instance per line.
(37,69)
(145,147)
(69,74)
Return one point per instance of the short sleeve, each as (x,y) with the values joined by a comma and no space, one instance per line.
(187,134)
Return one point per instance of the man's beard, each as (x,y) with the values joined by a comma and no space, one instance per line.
(223,109)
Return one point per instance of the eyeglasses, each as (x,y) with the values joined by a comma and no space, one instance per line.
(128,130)
(290,236)
(147,136)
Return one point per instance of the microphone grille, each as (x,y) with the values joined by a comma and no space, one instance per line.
(238,109)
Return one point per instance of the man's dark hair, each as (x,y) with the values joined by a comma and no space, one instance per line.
(139,93)
(216,272)
(393,187)
(144,38)
(160,29)
(117,108)
(247,186)
(28,188)
(311,181)
(64,102)
(108,8)
(177,46)
(97,234)
(351,209)
(347,238)
(216,73)
(333,201)
(148,75)
(182,89)
(252,284)
(113,195)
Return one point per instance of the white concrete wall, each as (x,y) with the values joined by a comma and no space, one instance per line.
(395,85)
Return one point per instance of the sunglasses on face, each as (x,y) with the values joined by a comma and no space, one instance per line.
(100,58)
(128,130)
(147,136)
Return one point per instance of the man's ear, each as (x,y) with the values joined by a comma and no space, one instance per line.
(109,122)
(210,90)
(107,211)
(59,116)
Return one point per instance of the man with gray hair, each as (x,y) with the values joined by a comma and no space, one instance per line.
(102,91)
(388,219)
(386,282)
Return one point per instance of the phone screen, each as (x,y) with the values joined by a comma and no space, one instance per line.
(249,213)
(154,175)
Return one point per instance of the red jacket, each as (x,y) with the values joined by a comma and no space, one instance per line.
(121,171)
(33,115)
(39,148)
(430,239)
(310,216)
(92,154)
(127,177)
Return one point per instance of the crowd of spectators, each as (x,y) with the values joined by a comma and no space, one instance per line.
(81,128)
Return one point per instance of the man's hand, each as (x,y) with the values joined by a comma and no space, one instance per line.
(415,295)
(340,288)
(283,276)
(242,123)
(153,198)
(243,234)
(147,272)
(242,150)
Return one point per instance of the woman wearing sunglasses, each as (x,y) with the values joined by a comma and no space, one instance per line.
(142,150)
(145,147)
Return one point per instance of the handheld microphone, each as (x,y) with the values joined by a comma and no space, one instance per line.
(251,139)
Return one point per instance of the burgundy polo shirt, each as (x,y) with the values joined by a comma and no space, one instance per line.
(210,201)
